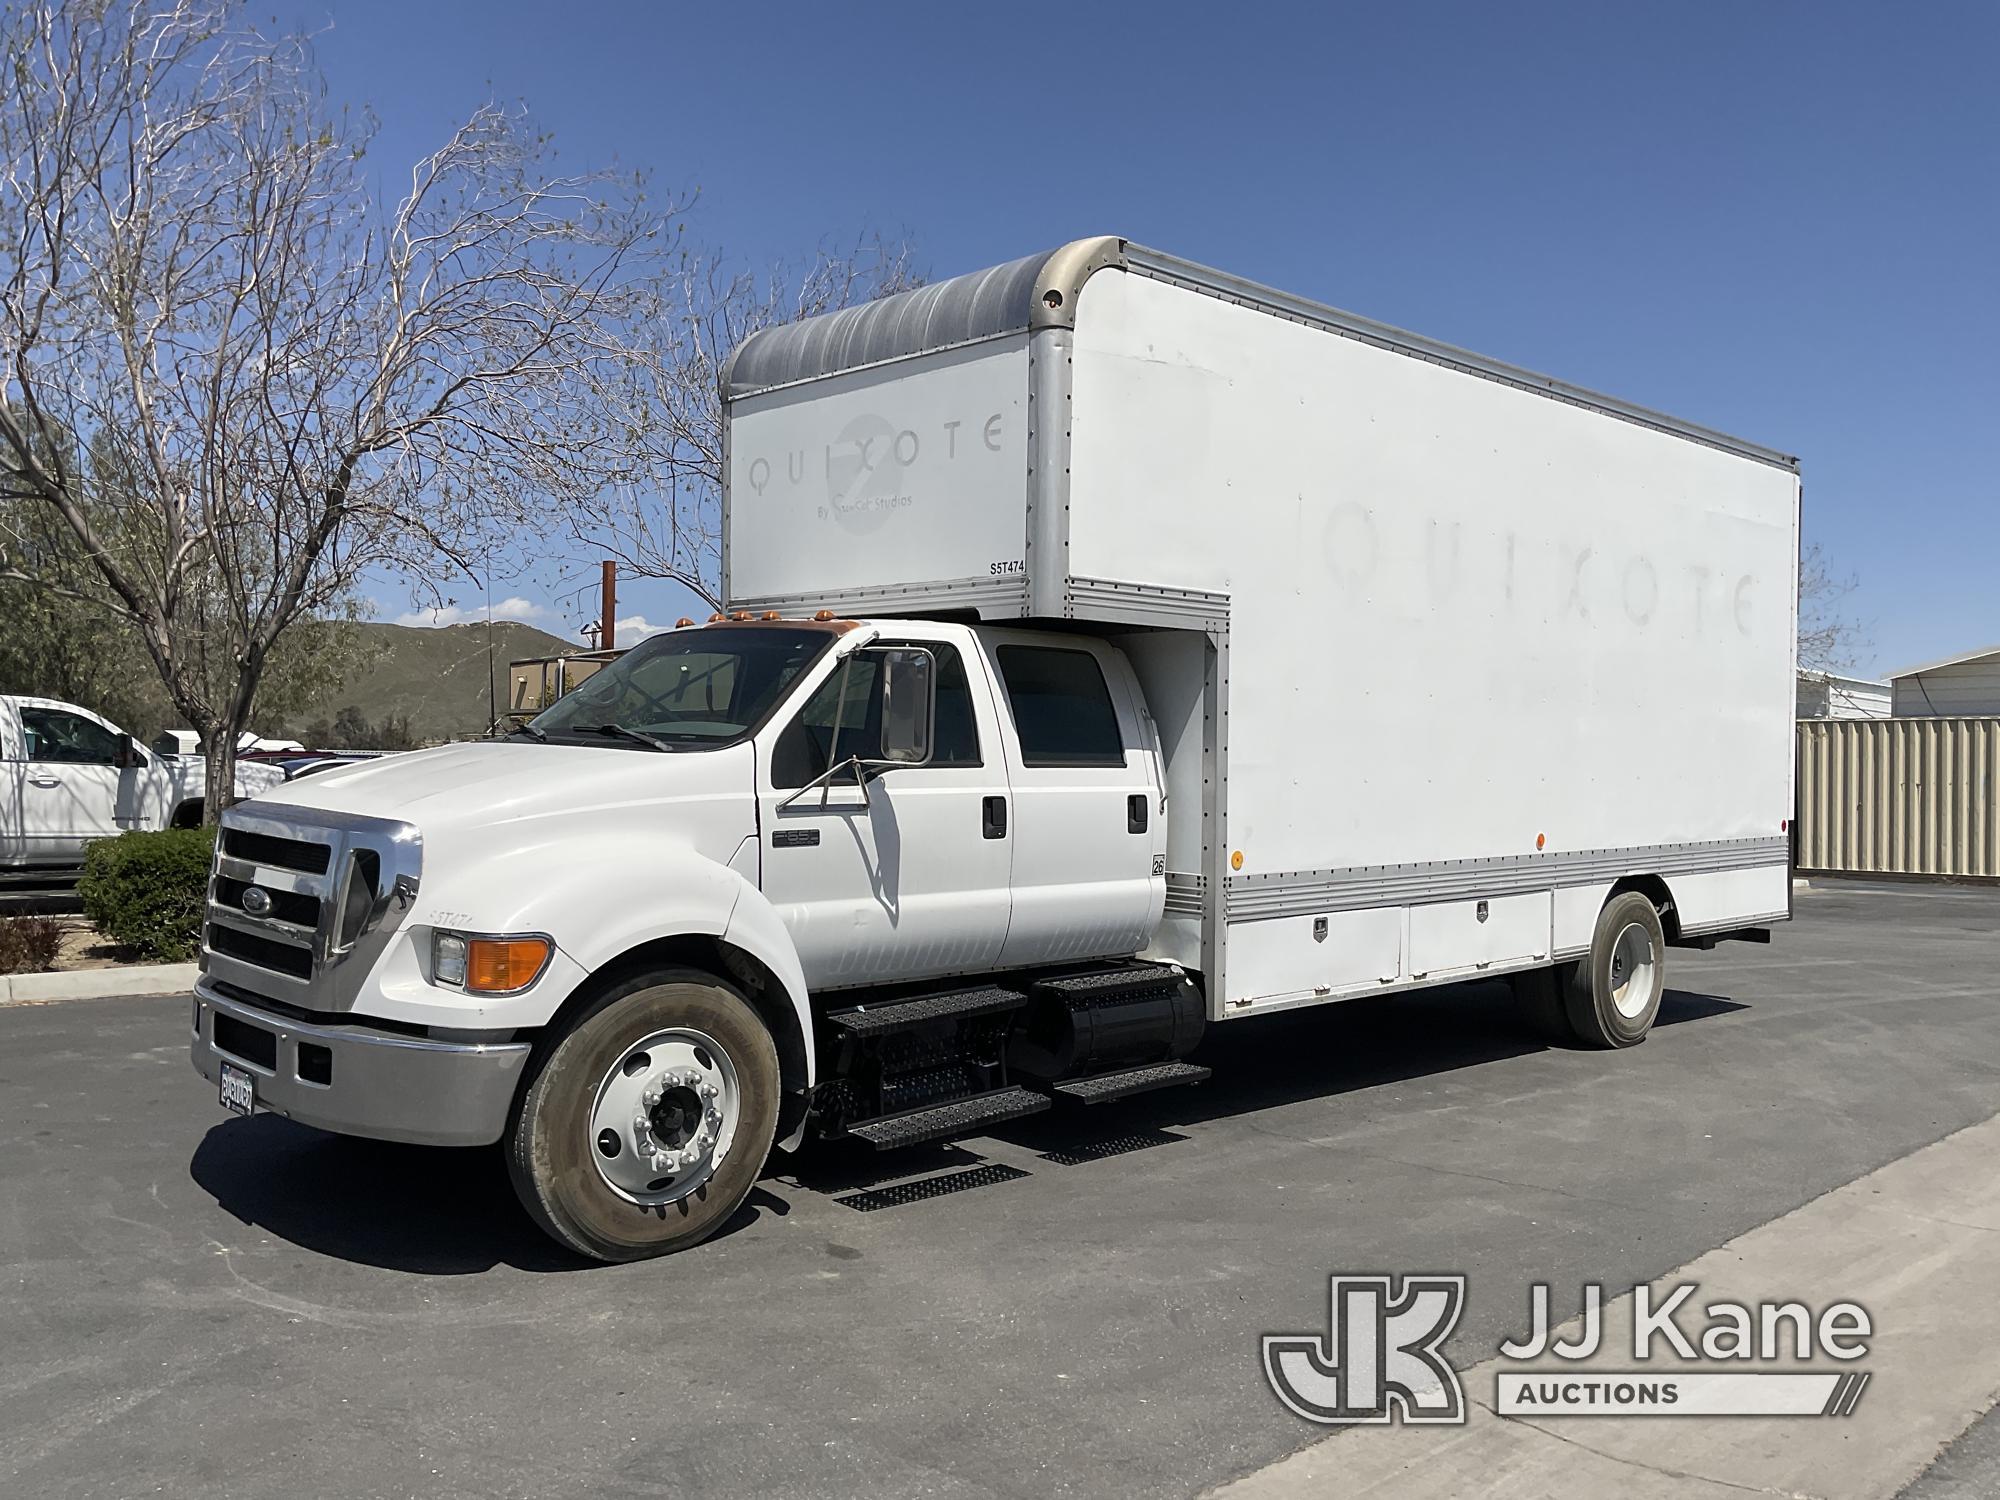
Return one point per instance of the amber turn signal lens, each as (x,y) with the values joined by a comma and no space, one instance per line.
(501,964)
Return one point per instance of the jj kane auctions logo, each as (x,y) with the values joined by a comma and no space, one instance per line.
(1380,1359)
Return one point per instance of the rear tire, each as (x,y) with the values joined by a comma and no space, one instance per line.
(1612,995)
(648,1123)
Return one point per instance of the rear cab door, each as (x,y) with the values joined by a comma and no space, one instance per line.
(1087,821)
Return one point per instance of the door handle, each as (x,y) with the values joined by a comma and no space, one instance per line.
(1135,813)
(993,817)
(45,781)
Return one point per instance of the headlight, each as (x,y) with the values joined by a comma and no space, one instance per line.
(448,958)
(488,965)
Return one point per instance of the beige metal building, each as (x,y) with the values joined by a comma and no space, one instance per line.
(1959,686)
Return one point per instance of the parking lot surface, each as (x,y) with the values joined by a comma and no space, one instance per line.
(197,1304)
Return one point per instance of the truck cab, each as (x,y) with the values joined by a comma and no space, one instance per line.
(827,815)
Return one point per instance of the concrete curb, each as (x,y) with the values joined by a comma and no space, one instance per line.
(97,984)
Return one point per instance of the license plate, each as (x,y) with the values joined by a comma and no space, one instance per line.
(239,1090)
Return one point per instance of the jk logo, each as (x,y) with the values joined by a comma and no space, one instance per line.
(1380,1360)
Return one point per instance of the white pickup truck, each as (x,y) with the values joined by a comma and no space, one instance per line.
(1115,648)
(69,777)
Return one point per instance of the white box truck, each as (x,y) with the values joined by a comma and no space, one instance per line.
(1114,648)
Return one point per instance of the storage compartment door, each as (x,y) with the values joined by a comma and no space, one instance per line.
(1459,936)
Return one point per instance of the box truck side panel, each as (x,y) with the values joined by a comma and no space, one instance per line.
(906,477)
(1461,615)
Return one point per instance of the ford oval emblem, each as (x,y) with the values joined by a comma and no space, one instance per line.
(257,901)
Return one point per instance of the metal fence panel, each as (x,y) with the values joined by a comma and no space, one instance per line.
(1899,796)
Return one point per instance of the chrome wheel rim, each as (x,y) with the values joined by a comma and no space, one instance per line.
(665,1117)
(1635,971)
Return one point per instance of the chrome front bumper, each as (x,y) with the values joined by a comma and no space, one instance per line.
(377,1083)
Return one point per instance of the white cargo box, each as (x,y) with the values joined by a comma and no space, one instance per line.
(1440,648)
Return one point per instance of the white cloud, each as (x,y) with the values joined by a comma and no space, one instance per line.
(635,628)
(525,610)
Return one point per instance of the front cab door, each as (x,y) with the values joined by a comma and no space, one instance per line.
(908,877)
(70,780)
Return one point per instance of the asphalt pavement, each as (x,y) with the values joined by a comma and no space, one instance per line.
(196,1304)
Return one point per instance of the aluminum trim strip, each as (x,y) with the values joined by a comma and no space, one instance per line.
(994,596)
(1187,895)
(1142,604)
(1255,898)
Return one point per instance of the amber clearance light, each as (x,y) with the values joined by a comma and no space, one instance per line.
(489,965)
(496,965)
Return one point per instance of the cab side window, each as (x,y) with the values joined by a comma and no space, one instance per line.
(1062,708)
(802,750)
(67,739)
(850,698)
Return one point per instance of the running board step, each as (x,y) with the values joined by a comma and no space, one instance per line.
(1111,985)
(1108,1086)
(953,1005)
(960,1117)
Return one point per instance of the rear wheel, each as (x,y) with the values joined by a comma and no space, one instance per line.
(647,1124)
(1613,994)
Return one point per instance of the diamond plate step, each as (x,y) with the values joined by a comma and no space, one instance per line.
(960,1117)
(1113,984)
(1108,1086)
(954,1005)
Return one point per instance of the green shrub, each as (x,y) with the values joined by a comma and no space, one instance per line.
(28,945)
(145,890)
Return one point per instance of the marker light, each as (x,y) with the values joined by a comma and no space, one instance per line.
(499,966)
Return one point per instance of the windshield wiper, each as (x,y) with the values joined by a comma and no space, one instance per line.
(531,731)
(637,736)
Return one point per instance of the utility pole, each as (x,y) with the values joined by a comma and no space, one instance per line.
(607,636)
(492,688)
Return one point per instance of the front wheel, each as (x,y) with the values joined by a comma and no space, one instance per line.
(646,1126)
(1613,994)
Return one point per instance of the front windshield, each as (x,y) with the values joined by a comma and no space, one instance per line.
(692,689)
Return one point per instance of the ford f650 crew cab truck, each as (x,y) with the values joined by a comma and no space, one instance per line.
(1114,649)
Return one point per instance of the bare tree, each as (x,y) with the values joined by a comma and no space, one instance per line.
(704,305)
(1830,640)
(280,388)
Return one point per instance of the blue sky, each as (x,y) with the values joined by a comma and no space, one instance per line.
(1782,220)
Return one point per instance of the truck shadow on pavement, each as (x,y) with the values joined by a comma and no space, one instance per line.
(1263,1063)
(438,1211)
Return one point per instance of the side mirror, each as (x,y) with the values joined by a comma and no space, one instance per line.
(909,686)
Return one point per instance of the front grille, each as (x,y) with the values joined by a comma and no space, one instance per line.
(338,887)
(303,855)
(286,906)
(265,953)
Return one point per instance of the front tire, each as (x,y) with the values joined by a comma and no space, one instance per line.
(1612,996)
(648,1123)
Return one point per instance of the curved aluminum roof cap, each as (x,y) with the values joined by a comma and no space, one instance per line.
(1037,291)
